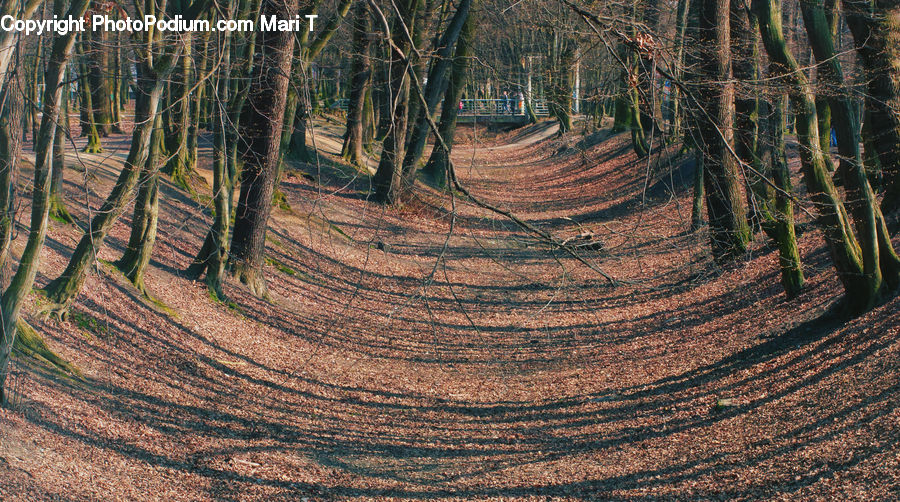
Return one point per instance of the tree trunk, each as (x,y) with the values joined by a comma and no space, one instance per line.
(213,255)
(58,209)
(622,112)
(223,186)
(361,76)
(423,11)
(638,137)
(561,83)
(876,32)
(260,132)
(627,115)
(149,90)
(877,251)
(370,119)
(34,90)
(648,102)
(298,106)
(437,83)
(9,39)
(10,150)
(197,100)
(862,286)
(870,153)
(782,228)
(745,68)
(98,74)
(179,113)
(88,113)
(387,179)
(729,232)
(381,95)
(681,22)
(14,296)
(116,104)
(136,257)
(438,164)
(297,149)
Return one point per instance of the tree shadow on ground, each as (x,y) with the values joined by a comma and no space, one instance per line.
(414,451)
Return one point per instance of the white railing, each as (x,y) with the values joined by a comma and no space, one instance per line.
(481,107)
(500,107)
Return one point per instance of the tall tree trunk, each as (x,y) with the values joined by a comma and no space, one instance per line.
(260,130)
(223,186)
(361,76)
(136,257)
(877,251)
(438,164)
(862,286)
(116,102)
(638,136)
(424,12)
(88,118)
(14,296)
(649,104)
(729,232)
(381,95)
(437,83)
(297,109)
(58,209)
(298,149)
(370,119)
(8,39)
(870,153)
(149,90)
(745,68)
(10,150)
(627,115)
(782,228)
(98,74)
(179,113)
(561,82)
(213,255)
(197,100)
(681,22)
(387,179)
(34,89)
(876,32)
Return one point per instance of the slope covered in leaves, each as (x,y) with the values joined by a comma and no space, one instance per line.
(437,350)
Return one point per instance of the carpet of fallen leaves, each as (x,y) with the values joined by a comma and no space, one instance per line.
(436,350)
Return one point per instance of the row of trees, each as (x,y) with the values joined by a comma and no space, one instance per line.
(740,112)
(729,81)
(252,91)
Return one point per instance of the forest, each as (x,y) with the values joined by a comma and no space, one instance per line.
(449,249)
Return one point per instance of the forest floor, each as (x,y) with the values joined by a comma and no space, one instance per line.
(438,351)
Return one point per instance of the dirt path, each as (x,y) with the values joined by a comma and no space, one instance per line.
(328,137)
(437,351)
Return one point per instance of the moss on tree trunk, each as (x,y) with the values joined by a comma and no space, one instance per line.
(14,296)
(862,284)
(64,288)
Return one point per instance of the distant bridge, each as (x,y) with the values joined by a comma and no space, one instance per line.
(499,111)
(493,111)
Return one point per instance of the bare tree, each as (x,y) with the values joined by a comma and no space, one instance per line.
(260,133)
